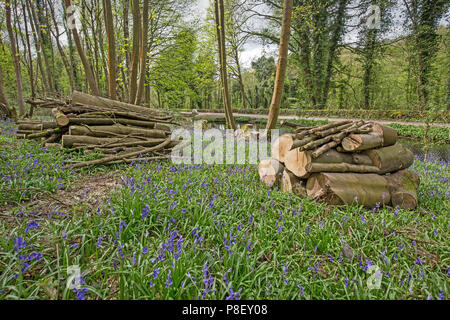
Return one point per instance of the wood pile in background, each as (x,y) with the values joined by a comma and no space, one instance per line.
(343,162)
(122,132)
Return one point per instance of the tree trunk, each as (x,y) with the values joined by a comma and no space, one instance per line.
(241,82)
(111,49)
(30,58)
(37,44)
(143,54)
(66,62)
(3,99)
(16,60)
(282,66)
(135,52)
(336,38)
(87,68)
(42,26)
(220,29)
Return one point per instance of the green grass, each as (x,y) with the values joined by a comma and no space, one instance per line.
(436,134)
(188,232)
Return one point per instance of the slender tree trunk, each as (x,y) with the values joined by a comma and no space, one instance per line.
(336,38)
(87,68)
(60,48)
(3,99)
(37,44)
(368,67)
(241,82)
(73,65)
(135,53)
(15,56)
(143,53)
(281,67)
(111,49)
(126,36)
(30,58)
(46,45)
(220,28)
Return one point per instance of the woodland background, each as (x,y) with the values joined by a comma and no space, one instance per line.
(165,55)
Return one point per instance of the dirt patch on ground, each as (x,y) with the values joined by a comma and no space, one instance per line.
(86,195)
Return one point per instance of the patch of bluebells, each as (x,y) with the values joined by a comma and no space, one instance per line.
(173,244)
(234,295)
(31,225)
(208,280)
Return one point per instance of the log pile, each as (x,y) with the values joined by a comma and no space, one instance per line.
(122,132)
(345,162)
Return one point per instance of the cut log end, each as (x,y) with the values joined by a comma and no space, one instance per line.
(290,183)
(270,172)
(281,147)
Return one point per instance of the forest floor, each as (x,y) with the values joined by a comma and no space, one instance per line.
(281,117)
(163,231)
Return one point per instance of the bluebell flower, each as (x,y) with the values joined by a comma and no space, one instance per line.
(234,295)
(301,290)
(156,273)
(32,225)
(169,280)
(19,244)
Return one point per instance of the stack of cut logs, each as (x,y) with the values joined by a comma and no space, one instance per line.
(122,132)
(345,162)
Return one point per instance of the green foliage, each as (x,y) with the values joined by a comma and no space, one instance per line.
(438,134)
(183,71)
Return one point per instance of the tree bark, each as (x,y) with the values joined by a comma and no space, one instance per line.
(136,50)
(390,159)
(297,161)
(143,54)
(112,121)
(349,188)
(282,66)
(3,99)
(403,188)
(115,130)
(360,142)
(69,141)
(15,57)
(87,68)
(112,69)
(121,157)
(220,28)
(111,105)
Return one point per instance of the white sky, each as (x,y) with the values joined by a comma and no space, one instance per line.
(251,51)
